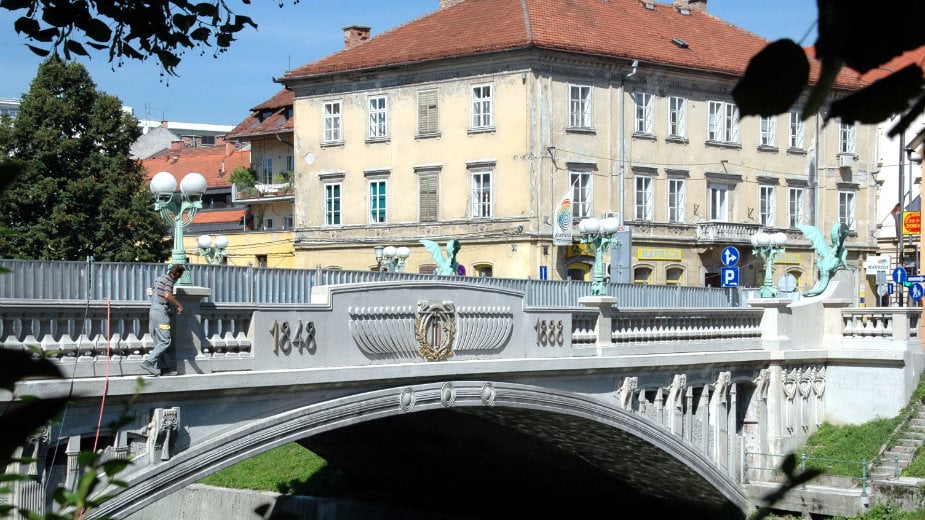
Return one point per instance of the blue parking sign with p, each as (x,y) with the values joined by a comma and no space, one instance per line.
(730,276)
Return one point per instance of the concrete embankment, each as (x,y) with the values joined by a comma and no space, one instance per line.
(201,502)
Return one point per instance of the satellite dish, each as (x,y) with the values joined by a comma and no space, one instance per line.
(787,283)
(309,158)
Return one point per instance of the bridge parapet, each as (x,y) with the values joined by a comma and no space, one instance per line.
(413,321)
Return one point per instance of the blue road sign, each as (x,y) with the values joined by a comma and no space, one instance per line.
(730,257)
(900,275)
(891,288)
(916,278)
(730,276)
(916,292)
(544,272)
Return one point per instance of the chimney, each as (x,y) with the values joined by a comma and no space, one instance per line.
(692,5)
(177,145)
(448,3)
(355,35)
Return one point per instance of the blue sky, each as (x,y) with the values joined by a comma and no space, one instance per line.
(220,91)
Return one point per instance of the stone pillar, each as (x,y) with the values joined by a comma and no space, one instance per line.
(189,335)
(604,327)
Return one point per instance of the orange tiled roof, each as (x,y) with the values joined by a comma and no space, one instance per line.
(623,29)
(215,163)
(218,216)
(268,118)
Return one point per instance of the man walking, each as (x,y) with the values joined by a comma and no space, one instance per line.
(161,298)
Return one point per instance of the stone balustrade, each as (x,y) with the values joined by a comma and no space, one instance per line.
(899,323)
(84,332)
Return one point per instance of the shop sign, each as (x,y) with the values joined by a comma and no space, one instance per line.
(658,254)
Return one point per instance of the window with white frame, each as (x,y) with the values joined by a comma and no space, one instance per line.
(796,207)
(797,130)
(723,122)
(719,202)
(378,117)
(847,138)
(675,200)
(846,209)
(579,106)
(644,114)
(580,181)
(266,171)
(644,201)
(481,193)
(766,205)
(332,204)
(677,117)
(427,112)
(481,106)
(768,128)
(377,201)
(333,131)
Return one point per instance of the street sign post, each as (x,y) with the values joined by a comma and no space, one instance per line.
(916,292)
(730,276)
(730,256)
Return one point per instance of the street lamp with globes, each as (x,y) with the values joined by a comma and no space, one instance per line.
(768,246)
(213,250)
(600,235)
(392,258)
(178,209)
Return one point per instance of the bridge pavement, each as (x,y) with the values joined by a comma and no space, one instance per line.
(435,382)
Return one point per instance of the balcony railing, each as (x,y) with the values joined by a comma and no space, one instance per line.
(726,232)
(241,193)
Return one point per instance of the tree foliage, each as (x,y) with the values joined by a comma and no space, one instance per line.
(161,29)
(859,34)
(79,194)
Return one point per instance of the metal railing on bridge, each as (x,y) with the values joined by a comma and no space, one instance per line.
(117,281)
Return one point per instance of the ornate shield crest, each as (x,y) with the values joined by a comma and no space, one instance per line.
(435,329)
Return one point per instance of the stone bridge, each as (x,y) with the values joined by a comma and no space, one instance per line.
(457,397)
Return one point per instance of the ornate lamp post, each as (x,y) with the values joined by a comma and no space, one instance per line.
(213,250)
(599,234)
(392,258)
(178,209)
(768,246)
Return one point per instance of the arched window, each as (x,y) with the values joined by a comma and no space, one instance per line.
(483,270)
(674,275)
(642,275)
(579,272)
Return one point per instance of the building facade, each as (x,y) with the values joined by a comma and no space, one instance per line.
(476,121)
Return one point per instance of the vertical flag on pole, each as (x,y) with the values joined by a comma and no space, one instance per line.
(562,221)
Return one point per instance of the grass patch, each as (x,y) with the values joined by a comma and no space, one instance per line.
(838,450)
(290,469)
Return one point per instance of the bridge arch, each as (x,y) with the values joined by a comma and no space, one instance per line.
(583,448)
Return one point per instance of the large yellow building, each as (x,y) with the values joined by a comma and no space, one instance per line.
(475,122)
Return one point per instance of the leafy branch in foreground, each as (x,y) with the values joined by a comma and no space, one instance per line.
(858,34)
(161,29)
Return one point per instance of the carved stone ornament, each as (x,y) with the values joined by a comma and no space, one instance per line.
(435,329)
(626,392)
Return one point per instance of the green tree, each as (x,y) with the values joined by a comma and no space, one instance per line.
(79,193)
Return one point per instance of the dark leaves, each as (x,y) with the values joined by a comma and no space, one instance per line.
(891,95)
(865,35)
(21,364)
(773,81)
(858,34)
(160,29)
